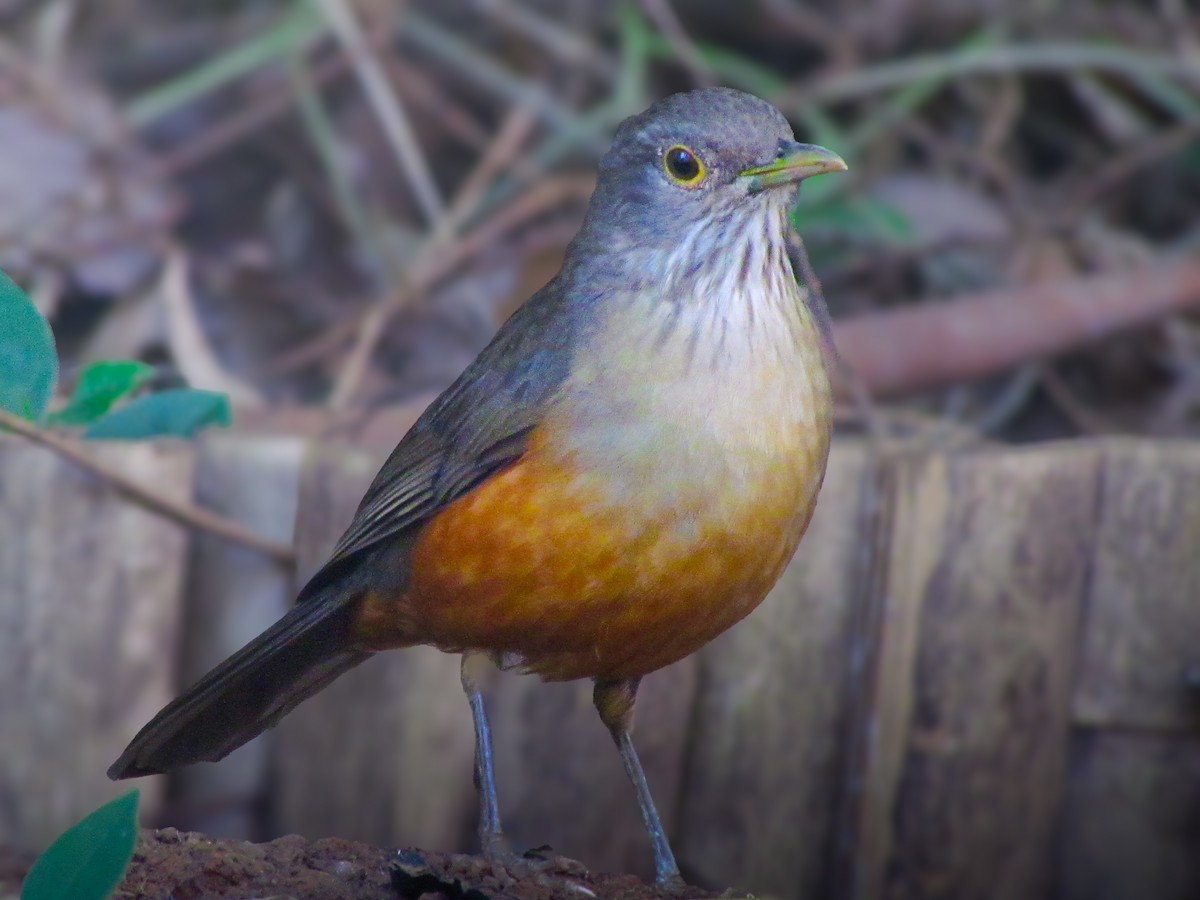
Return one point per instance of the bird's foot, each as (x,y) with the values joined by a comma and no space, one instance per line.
(543,859)
(672,884)
(540,865)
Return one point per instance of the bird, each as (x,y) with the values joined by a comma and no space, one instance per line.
(620,476)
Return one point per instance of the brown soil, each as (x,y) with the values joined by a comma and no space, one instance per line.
(189,866)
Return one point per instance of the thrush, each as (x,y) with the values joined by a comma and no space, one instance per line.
(620,476)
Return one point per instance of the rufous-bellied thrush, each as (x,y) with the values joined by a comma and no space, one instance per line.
(620,476)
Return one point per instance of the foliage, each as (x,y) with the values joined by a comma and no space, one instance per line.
(105,401)
(986,147)
(101,386)
(180,412)
(28,362)
(87,860)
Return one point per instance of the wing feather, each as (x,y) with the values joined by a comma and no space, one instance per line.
(480,424)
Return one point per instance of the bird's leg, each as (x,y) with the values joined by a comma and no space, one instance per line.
(614,701)
(491,838)
(550,870)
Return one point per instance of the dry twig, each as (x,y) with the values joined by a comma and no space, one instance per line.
(1125,165)
(662,15)
(191,349)
(924,346)
(182,512)
(433,267)
(570,46)
(388,109)
(500,154)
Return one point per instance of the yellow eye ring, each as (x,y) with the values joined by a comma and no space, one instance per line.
(683,166)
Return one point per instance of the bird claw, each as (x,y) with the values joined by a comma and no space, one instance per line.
(545,860)
(672,884)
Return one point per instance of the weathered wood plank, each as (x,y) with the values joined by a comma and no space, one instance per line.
(986,563)
(1141,635)
(384,754)
(1129,828)
(1132,825)
(90,605)
(999,584)
(881,688)
(767,744)
(233,594)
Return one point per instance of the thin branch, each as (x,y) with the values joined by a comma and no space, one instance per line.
(388,108)
(566,44)
(260,110)
(470,63)
(180,511)
(1083,419)
(501,153)
(988,60)
(662,15)
(1128,163)
(370,331)
(432,268)
(190,347)
(809,25)
(926,345)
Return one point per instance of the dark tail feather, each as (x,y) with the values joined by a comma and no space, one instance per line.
(250,691)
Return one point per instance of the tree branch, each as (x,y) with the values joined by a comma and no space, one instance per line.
(184,513)
(918,347)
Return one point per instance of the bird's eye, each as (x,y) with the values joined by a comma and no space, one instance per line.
(684,166)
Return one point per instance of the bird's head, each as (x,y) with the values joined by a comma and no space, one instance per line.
(696,170)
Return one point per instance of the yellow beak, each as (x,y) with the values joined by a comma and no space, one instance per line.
(794,163)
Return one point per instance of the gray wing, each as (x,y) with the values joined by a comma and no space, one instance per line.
(478,425)
(814,298)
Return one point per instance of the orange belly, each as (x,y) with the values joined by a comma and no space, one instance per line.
(540,563)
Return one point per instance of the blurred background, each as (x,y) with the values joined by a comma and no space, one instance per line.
(361,192)
(325,208)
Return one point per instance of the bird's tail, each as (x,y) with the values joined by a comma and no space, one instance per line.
(251,691)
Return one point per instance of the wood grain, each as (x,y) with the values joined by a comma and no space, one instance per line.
(384,754)
(1142,627)
(999,585)
(90,606)
(1132,826)
(1023,635)
(234,594)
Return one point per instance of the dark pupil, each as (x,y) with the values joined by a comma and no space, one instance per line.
(683,165)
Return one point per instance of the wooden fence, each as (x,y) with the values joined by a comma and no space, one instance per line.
(980,678)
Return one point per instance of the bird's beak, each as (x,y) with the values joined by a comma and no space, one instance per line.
(794,163)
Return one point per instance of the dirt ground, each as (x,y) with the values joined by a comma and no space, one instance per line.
(189,866)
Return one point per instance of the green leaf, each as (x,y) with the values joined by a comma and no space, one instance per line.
(176,413)
(89,858)
(28,361)
(98,389)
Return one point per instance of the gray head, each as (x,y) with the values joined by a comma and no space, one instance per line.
(692,168)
